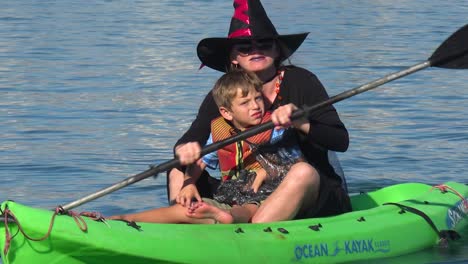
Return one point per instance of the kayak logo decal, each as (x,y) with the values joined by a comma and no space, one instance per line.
(457,213)
(346,247)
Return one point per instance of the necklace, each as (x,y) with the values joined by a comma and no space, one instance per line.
(278,82)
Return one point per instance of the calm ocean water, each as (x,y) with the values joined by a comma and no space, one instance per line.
(92,93)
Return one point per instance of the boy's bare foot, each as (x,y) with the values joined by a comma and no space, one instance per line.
(204,210)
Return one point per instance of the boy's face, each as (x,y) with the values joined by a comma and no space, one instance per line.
(246,111)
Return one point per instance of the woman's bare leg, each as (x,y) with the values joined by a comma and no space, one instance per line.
(244,213)
(172,214)
(299,190)
(175,182)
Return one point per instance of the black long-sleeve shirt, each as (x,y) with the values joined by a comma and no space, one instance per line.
(302,88)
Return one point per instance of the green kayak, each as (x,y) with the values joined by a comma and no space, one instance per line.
(388,222)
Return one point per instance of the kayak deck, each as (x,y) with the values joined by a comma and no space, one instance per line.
(373,230)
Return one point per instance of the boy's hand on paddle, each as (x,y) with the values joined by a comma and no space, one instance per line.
(187,194)
(188,153)
(259,179)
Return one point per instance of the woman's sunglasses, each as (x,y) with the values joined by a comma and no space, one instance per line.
(247,48)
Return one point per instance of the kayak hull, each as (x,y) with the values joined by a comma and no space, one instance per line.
(373,230)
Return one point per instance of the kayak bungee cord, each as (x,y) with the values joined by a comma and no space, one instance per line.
(80,222)
(9,217)
(444,235)
(444,188)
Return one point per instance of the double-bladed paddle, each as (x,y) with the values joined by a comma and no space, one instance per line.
(451,54)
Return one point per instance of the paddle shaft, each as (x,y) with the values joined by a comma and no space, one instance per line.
(165,166)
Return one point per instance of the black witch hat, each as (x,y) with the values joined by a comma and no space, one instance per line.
(249,21)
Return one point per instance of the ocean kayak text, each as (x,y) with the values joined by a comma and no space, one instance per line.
(346,247)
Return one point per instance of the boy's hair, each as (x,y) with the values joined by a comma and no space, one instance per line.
(225,89)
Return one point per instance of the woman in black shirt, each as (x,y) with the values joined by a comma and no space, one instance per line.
(254,44)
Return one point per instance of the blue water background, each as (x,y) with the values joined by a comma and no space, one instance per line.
(92,92)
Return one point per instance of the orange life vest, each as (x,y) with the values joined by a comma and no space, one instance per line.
(237,156)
